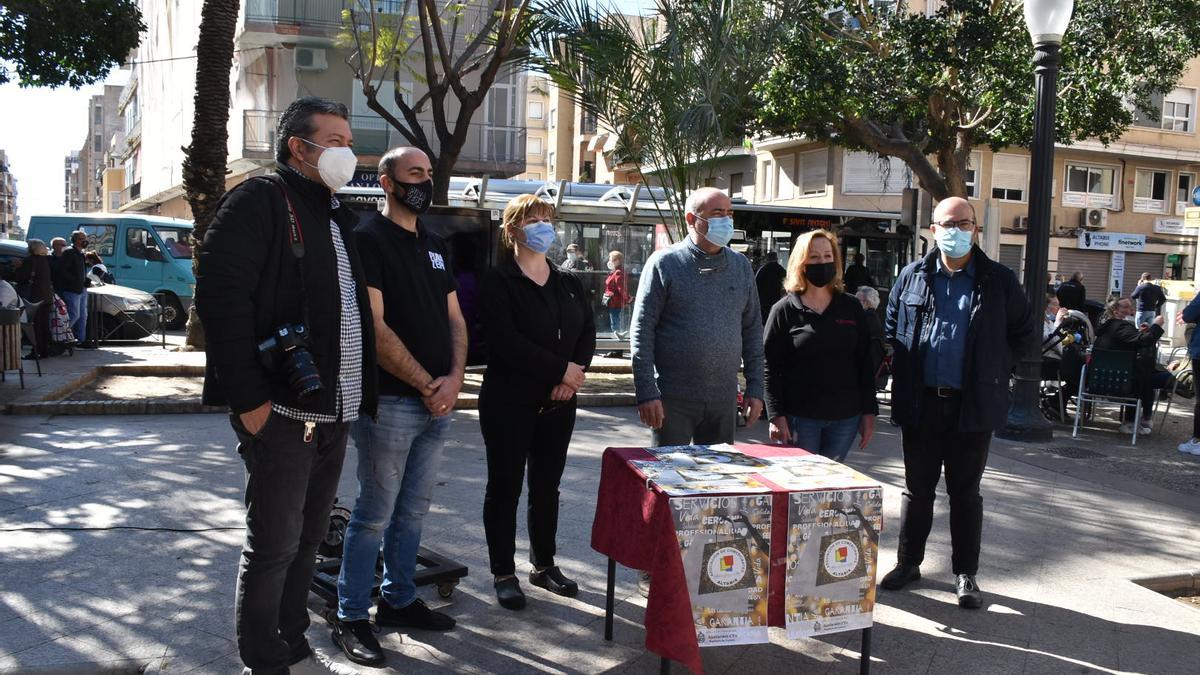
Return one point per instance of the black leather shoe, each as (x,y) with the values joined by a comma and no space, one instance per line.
(900,576)
(416,615)
(509,593)
(358,642)
(552,579)
(969,595)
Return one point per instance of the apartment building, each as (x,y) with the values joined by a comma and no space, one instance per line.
(10,222)
(72,182)
(282,51)
(104,122)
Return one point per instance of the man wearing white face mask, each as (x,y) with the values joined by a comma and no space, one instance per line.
(291,351)
(695,322)
(957,321)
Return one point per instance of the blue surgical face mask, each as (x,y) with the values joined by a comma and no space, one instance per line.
(955,243)
(720,230)
(539,236)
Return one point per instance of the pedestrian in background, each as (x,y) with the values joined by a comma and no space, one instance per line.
(820,380)
(880,349)
(35,270)
(696,321)
(769,282)
(1072,294)
(421,350)
(857,275)
(575,262)
(957,321)
(73,276)
(1191,314)
(1150,298)
(1118,333)
(615,297)
(541,338)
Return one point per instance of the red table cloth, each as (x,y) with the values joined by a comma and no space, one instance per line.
(634,526)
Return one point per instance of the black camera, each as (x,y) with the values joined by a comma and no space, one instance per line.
(287,349)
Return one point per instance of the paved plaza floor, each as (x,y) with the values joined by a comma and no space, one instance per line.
(1064,534)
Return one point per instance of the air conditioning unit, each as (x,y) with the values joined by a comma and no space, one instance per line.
(1021,223)
(310,58)
(1093,219)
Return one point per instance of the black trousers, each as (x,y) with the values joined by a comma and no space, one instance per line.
(290,488)
(933,444)
(516,437)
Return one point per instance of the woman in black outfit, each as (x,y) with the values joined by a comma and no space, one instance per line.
(1118,333)
(541,337)
(820,376)
(35,270)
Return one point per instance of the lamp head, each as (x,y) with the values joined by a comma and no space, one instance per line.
(1047,19)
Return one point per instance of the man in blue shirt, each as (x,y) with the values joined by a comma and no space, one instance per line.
(956,321)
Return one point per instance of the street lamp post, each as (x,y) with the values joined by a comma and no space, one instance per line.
(1047,22)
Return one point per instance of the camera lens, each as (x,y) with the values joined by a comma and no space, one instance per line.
(302,373)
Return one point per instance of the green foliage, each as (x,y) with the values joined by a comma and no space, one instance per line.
(49,43)
(675,87)
(912,86)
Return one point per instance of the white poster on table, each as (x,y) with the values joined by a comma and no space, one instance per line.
(725,546)
(833,545)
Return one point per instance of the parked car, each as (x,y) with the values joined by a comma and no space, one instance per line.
(149,253)
(125,313)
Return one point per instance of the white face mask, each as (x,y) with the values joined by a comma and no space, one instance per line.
(336,165)
(572,256)
(612,265)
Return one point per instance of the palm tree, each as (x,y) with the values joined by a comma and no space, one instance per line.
(204,163)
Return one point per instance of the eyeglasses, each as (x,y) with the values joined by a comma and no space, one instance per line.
(964,225)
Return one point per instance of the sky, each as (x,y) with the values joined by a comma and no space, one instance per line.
(38,127)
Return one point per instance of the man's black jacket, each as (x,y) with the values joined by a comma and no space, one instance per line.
(1000,324)
(1071,295)
(249,282)
(72,271)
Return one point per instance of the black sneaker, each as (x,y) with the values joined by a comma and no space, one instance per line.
(553,580)
(969,595)
(358,642)
(416,615)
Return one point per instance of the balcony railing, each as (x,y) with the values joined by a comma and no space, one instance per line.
(488,147)
(323,13)
(131,193)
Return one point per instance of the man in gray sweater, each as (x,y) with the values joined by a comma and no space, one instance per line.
(696,321)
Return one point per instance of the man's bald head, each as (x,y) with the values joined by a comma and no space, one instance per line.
(707,199)
(406,164)
(953,209)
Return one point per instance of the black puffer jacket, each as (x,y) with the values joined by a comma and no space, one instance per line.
(249,283)
(1000,324)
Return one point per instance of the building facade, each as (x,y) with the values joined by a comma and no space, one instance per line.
(10,222)
(283,51)
(104,122)
(72,182)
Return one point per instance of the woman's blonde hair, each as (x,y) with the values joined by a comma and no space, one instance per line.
(37,247)
(519,208)
(796,282)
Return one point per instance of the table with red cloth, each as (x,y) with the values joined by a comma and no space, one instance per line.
(634,526)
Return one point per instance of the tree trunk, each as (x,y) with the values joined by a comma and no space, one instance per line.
(204,162)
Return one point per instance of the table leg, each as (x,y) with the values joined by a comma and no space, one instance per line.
(609,599)
(864,659)
(664,665)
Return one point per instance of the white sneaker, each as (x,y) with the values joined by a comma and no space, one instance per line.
(1190,446)
(320,664)
(1145,430)
(1127,428)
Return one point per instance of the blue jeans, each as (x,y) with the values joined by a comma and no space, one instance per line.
(398,460)
(614,319)
(831,438)
(1146,317)
(77,313)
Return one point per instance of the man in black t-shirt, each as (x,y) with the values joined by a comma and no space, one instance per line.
(1150,298)
(421,344)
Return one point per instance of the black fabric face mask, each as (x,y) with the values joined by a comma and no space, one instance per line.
(820,274)
(416,197)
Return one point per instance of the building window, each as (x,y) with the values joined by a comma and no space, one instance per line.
(1090,186)
(865,173)
(1183,193)
(1150,191)
(735,184)
(785,185)
(971,174)
(1176,110)
(534,175)
(814,172)
(550,162)
(535,145)
(553,118)
(98,116)
(97,143)
(537,110)
(768,174)
(1010,177)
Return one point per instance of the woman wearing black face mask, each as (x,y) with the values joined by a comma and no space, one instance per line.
(820,381)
